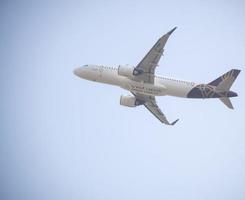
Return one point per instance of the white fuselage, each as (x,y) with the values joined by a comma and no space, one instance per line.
(109,75)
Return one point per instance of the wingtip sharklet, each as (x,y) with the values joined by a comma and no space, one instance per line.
(170,32)
(173,123)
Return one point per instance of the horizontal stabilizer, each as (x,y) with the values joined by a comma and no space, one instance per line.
(227,102)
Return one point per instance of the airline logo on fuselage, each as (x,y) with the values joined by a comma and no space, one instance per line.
(146,90)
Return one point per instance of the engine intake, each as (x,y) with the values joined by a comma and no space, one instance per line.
(128,71)
(130,101)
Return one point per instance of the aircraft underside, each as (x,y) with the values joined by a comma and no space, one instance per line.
(144,85)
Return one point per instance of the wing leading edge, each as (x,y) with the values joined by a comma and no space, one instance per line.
(148,64)
(156,111)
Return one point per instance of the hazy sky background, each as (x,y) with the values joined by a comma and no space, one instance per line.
(67,138)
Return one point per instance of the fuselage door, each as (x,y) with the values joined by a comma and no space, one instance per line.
(100,71)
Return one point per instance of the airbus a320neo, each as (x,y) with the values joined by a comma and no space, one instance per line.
(145,85)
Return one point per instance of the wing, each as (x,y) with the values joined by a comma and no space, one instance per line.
(151,104)
(147,65)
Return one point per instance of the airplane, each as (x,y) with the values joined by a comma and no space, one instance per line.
(144,85)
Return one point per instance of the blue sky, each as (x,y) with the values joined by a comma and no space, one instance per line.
(66,138)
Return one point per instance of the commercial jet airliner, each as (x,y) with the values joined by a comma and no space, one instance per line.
(144,85)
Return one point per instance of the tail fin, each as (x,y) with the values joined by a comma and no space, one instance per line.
(224,82)
(227,102)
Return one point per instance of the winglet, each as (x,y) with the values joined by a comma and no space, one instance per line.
(170,32)
(173,123)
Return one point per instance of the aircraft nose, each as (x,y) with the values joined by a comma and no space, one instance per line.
(77,71)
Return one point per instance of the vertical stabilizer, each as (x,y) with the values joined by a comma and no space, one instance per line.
(224,82)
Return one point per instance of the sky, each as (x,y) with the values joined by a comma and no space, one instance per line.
(62,137)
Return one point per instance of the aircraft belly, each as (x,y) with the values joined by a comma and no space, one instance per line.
(147,91)
(145,88)
(179,90)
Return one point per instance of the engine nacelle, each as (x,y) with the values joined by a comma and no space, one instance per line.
(128,71)
(130,101)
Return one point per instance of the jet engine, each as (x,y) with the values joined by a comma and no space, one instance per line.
(128,71)
(130,101)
